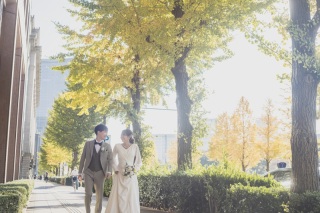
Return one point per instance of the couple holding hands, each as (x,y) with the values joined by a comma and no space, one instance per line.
(96,164)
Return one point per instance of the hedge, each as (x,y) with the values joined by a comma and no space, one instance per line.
(12,189)
(10,202)
(308,202)
(14,195)
(217,190)
(194,191)
(248,199)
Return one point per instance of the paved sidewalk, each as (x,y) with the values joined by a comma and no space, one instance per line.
(54,198)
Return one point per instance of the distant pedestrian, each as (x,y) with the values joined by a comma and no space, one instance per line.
(95,166)
(46,177)
(74,177)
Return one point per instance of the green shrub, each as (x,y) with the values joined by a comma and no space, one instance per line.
(25,181)
(21,189)
(211,190)
(4,189)
(200,190)
(27,184)
(60,180)
(308,202)
(219,180)
(248,199)
(24,185)
(10,202)
(14,195)
(107,187)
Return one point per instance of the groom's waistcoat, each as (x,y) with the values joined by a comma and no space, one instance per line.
(95,164)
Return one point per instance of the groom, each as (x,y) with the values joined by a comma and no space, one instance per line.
(96,165)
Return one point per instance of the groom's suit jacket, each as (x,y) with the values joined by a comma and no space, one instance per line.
(105,157)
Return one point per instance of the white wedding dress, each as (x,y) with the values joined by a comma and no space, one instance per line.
(124,195)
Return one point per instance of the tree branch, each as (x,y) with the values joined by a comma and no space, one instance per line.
(152,41)
(316,20)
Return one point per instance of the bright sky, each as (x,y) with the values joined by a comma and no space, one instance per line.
(249,73)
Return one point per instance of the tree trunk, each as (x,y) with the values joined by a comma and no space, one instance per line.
(135,114)
(75,158)
(303,137)
(183,100)
(268,160)
(136,127)
(304,90)
(243,161)
(105,120)
(183,103)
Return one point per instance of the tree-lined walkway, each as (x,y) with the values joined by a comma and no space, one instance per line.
(54,198)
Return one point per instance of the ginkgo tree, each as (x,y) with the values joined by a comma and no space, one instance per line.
(52,155)
(116,77)
(193,33)
(303,29)
(68,129)
(245,135)
(234,140)
(298,24)
(180,35)
(270,139)
(221,147)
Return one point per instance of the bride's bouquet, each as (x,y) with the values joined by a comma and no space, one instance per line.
(128,170)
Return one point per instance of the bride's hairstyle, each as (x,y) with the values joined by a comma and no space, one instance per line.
(128,132)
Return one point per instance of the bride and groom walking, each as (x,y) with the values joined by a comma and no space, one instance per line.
(96,164)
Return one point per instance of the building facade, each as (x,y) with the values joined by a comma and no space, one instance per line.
(19,71)
(32,92)
(52,84)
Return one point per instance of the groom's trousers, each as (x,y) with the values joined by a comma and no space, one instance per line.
(95,179)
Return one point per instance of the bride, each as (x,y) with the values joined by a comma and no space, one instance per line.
(124,195)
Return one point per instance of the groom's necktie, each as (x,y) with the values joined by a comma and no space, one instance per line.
(96,143)
(97,147)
